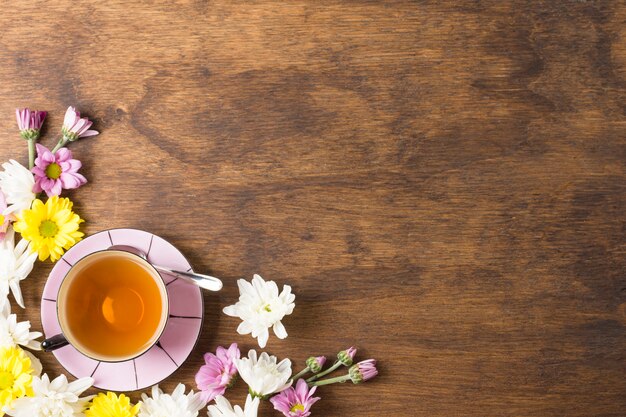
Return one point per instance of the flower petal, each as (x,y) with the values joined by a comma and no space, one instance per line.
(262,339)
(88,133)
(231,310)
(63,155)
(17,292)
(80,385)
(279,330)
(245,328)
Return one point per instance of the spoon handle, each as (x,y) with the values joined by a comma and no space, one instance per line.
(203,281)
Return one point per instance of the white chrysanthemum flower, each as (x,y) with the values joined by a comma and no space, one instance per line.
(13,332)
(16,262)
(16,183)
(261,307)
(177,404)
(52,399)
(263,375)
(222,408)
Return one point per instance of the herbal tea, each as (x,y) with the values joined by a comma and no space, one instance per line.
(113,307)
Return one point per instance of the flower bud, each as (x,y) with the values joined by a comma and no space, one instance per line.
(29,122)
(363,371)
(346,357)
(315,364)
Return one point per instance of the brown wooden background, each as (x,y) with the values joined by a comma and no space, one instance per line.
(441,182)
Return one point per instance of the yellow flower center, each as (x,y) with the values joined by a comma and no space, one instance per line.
(267,308)
(297,407)
(6,380)
(1,219)
(53,171)
(48,228)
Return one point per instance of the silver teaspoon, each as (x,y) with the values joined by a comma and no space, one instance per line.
(203,281)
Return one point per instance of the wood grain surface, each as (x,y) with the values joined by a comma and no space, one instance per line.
(441,182)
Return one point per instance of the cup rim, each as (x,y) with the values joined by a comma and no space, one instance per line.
(149,266)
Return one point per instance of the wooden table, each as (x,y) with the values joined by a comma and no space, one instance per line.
(441,182)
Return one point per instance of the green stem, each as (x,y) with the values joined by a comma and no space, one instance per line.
(256,395)
(326,372)
(329,381)
(301,373)
(31,153)
(62,143)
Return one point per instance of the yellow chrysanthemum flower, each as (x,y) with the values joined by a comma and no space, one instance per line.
(51,228)
(15,375)
(110,405)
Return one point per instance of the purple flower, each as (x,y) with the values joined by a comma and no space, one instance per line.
(347,356)
(5,219)
(56,171)
(315,364)
(30,122)
(218,373)
(295,402)
(363,371)
(75,127)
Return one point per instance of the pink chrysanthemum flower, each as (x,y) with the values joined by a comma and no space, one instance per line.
(29,122)
(75,127)
(5,219)
(295,402)
(218,373)
(56,171)
(363,371)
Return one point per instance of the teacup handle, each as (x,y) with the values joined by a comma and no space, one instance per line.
(55,342)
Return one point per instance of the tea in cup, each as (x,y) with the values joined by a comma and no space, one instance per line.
(112,306)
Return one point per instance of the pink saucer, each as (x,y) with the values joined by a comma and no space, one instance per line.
(186,310)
